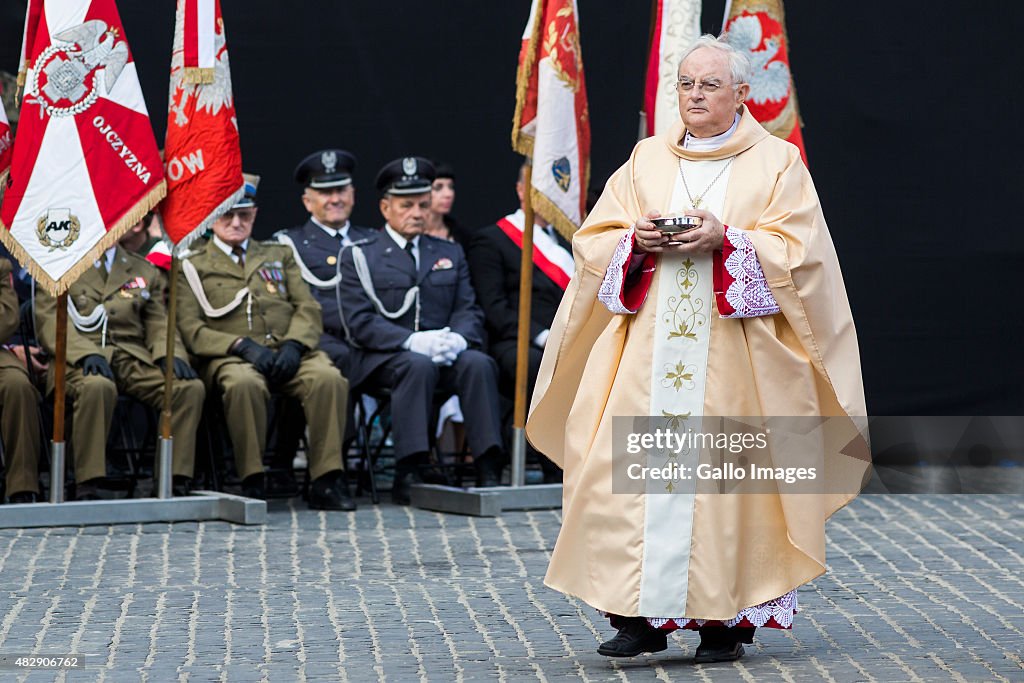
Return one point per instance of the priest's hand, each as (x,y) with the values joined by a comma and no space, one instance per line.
(646,237)
(703,240)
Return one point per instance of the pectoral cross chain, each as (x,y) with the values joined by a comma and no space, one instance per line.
(696,202)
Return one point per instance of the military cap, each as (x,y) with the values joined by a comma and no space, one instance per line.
(408,175)
(326,168)
(248,199)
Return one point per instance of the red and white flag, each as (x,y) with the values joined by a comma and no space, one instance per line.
(758,27)
(202,152)
(551,123)
(675,25)
(85,166)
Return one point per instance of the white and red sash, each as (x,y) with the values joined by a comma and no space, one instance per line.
(85,166)
(202,149)
(552,258)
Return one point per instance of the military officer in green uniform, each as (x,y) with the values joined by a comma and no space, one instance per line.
(247,315)
(117,342)
(19,403)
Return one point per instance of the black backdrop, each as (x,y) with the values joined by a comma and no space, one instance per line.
(912,130)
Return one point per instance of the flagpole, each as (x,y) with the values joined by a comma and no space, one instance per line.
(518,475)
(57,445)
(165,455)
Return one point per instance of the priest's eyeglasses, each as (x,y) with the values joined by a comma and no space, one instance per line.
(685,85)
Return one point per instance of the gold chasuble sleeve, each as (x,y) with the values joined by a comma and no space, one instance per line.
(744,549)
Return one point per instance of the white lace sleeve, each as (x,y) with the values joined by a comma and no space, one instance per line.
(748,293)
(610,292)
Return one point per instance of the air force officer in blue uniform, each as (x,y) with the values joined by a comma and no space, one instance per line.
(412,316)
(328,195)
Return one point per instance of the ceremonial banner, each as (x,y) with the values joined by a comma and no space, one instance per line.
(674,27)
(551,122)
(758,27)
(202,152)
(85,165)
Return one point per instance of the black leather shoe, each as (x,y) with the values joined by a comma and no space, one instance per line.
(88,490)
(254,486)
(23,497)
(488,468)
(720,644)
(330,492)
(635,637)
(406,474)
(181,486)
(281,484)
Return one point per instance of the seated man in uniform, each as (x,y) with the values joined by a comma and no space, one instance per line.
(19,400)
(248,317)
(410,312)
(328,197)
(117,342)
(495,261)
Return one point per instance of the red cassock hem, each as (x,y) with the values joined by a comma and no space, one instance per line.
(693,625)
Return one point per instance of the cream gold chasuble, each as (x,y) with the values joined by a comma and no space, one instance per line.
(696,554)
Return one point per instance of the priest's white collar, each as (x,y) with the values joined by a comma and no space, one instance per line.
(712,143)
(341,232)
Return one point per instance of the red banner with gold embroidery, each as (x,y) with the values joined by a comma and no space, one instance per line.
(758,28)
(551,122)
(85,166)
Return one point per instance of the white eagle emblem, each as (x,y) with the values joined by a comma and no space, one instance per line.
(66,79)
(769,81)
(210,97)
(409,166)
(329,161)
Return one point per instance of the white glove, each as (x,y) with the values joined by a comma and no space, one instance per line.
(425,342)
(449,346)
(456,343)
(442,346)
(541,339)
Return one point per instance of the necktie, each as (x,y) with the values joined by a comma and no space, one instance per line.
(408,250)
(240,253)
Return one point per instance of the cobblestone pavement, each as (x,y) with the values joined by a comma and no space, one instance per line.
(920,587)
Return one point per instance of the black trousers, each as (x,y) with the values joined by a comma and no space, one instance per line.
(505,353)
(414,380)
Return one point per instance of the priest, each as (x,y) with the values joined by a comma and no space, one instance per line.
(745,315)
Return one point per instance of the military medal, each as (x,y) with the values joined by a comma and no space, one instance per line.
(331,260)
(271,288)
